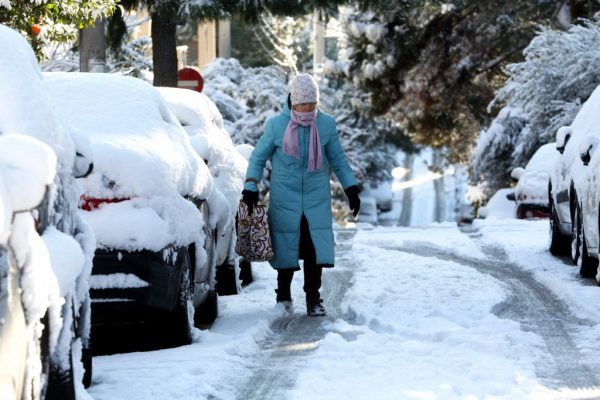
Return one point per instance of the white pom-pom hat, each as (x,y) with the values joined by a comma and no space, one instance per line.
(303,89)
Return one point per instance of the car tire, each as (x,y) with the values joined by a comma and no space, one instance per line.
(86,360)
(559,243)
(575,232)
(208,311)
(226,279)
(175,326)
(589,264)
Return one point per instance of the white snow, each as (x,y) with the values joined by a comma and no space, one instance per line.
(532,187)
(145,223)
(499,206)
(137,143)
(411,327)
(117,281)
(66,258)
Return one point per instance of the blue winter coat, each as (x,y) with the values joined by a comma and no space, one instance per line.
(294,190)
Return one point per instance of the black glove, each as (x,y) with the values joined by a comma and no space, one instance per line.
(250,197)
(352,193)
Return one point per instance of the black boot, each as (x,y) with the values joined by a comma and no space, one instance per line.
(315,308)
(283,291)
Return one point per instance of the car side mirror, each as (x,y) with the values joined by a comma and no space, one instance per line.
(511,196)
(517,173)
(83,166)
(562,138)
(587,147)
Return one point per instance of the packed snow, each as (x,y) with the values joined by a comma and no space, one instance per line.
(412,326)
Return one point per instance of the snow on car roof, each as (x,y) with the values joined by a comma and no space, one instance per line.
(139,148)
(25,107)
(204,123)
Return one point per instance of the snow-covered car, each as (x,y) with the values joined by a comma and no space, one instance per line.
(45,246)
(567,187)
(588,187)
(531,191)
(203,122)
(146,203)
(501,205)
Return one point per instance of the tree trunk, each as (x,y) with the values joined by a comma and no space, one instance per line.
(164,51)
(407,200)
(92,50)
(439,213)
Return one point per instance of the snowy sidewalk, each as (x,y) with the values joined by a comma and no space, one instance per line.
(417,320)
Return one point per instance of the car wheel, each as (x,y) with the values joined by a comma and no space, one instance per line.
(589,264)
(208,311)
(575,232)
(226,279)
(86,359)
(559,243)
(175,327)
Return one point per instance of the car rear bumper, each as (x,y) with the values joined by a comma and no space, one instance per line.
(533,211)
(123,280)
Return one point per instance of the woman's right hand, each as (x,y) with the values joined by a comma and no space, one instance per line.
(250,197)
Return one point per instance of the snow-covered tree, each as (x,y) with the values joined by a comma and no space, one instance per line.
(433,65)
(46,22)
(247,97)
(543,93)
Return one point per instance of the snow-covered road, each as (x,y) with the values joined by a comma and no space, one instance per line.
(414,313)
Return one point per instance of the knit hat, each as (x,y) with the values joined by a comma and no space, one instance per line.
(303,89)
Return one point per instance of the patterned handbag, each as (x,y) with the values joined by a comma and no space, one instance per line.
(253,234)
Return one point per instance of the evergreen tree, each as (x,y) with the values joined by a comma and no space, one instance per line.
(45,22)
(543,93)
(167,13)
(433,65)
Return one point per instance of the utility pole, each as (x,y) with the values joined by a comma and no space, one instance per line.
(92,48)
(319,45)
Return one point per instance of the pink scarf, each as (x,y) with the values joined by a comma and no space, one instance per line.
(291,145)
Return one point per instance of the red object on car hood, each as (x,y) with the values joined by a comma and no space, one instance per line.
(91,203)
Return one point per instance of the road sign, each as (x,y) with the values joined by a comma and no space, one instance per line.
(189,78)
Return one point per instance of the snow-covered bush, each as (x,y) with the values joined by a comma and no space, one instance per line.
(543,93)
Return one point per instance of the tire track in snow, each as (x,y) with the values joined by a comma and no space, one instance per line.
(533,305)
(292,337)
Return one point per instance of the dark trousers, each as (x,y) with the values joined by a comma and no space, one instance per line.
(312,271)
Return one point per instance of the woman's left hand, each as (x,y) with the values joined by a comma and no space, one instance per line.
(352,193)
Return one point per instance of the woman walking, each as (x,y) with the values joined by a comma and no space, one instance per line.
(303,144)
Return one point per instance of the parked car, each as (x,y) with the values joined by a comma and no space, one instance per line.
(45,247)
(203,122)
(531,191)
(500,205)
(146,201)
(586,216)
(567,187)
